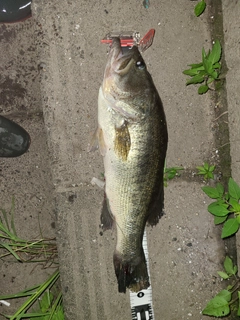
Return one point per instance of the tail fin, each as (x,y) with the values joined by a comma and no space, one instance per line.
(131,274)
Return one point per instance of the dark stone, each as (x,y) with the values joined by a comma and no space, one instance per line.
(14,140)
(15,10)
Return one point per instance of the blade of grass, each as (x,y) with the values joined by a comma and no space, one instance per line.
(47,284)
(32,315)
(20,294)
(37,247)
(6,231)
(56,304)
(11,251)
(5,218)
(12,211)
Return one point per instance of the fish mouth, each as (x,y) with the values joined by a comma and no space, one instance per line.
(120,58)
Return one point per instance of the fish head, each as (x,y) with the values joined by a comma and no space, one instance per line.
(125,71)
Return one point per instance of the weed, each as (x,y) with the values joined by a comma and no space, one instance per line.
(38,250)
(47,294)
(226,204)
(206,170)
(50,307)
(170,173)
(225,301)
(206,71)
(199,8)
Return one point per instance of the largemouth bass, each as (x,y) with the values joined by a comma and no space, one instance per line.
(132,137)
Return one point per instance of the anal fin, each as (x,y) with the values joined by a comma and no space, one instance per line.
(106,216)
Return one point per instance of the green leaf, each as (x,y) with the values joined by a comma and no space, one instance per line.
(208,66)
(211,192)
(211,168)
(209,175)
(35,296)
(199,66)
(199,8)
(217,65)
(38,316)
(210,80)
(230,227)
(227,295)
(218,209)
(220,189)
(58,315)
(190,72)
(200,168)
(201,171)
(235,269)
(215,54)
(203,89)
(238,312)
(235,205)
(214,74)
(203,56)
(8,248)
(226,196)
(45,301)
(206,166)
(228,266)
(196,79)
(233,189)
(223,275)
(218,307)
(219,220)
(170,173)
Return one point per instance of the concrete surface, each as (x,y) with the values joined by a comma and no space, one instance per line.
(26,178)
(185,248)
(231,11)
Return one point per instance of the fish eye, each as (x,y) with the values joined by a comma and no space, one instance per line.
(140,65)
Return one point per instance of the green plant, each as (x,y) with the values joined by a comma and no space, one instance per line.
(206,71)
(170,173)
(199,8)
(226,208)
(38,250)
(225,301)
(50,305)
(47,294)
(206,170)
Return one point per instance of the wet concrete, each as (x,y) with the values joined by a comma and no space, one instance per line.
(26,179)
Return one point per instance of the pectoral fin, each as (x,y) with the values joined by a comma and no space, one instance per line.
(98,141)
(126,111)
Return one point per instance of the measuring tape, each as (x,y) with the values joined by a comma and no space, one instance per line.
(141,302)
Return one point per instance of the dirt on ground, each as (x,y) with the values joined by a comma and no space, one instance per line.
(26,180)
(51,68)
